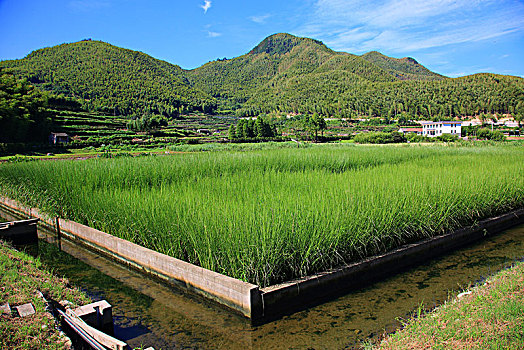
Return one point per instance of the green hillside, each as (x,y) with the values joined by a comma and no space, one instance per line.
(111,80)
(282,74)
(406,68)
(276,61)
(343,94)
(287,74)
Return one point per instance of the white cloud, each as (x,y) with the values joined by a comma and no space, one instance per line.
(260,19)
(213,34)
(409,25)
(206,6)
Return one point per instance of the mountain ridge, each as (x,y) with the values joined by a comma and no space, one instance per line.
(282,74)
(104,75)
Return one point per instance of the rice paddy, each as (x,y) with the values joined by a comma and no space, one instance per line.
(272,215)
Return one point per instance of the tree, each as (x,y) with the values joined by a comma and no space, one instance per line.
(313,124)
(247,131)
(321,124)
(519,113)
(232,132)
(487,134)
(147,123)
(259,127)
(23,111)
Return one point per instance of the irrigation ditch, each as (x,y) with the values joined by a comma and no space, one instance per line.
(266,304)
(147,311)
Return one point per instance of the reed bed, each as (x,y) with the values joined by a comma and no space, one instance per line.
(270,216)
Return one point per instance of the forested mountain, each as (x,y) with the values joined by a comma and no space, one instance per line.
(276,60)
(340,94)
(283,74)
(110,79)
(288,74)
(406,68)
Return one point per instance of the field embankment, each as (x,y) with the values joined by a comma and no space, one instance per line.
(490,316)
(21,276)
(270,216)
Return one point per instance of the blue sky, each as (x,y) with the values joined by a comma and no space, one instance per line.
(451,37)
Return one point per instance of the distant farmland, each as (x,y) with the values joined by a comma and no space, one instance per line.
(270,216)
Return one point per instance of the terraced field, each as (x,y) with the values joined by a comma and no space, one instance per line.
(92,130)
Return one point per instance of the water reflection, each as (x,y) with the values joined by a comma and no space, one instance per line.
(152,314)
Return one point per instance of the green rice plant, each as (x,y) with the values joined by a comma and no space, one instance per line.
(271,215)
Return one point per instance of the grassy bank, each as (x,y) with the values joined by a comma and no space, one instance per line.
(20,277)
(490,316)
(271,215)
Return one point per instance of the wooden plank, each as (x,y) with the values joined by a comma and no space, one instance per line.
(102,338)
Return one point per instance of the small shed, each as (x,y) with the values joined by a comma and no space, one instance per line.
(204,131)
(57,138)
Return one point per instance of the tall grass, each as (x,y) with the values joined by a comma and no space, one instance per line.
(269,216)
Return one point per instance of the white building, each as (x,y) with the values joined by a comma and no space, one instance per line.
(434,129)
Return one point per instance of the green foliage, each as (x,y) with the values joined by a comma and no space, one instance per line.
(249,128)
(147,123)
(519,112)
(284,74)
(405,68)
(23,113)
(282,43)
(412,137)
(340,94)
(21,276)
(243,147)
(63,102)
(272,215)
(487,134)
(472,321)
(380,137)
(232,132)
(313,124)
(448,138)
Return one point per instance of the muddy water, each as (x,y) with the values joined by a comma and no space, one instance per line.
(151,314)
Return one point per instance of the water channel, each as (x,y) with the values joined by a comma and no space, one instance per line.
(149,313)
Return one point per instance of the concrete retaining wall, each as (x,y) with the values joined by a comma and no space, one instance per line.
(295,295)
(238,295)
(262,305)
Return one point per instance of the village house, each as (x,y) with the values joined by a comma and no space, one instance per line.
(434,129)
(57,138)
(410,129)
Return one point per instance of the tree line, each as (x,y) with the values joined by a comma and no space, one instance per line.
(250,128)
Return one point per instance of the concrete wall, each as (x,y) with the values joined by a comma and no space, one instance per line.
(236,294)
(262,305)
(295,295)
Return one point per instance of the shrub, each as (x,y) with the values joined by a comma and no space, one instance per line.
(380,137)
